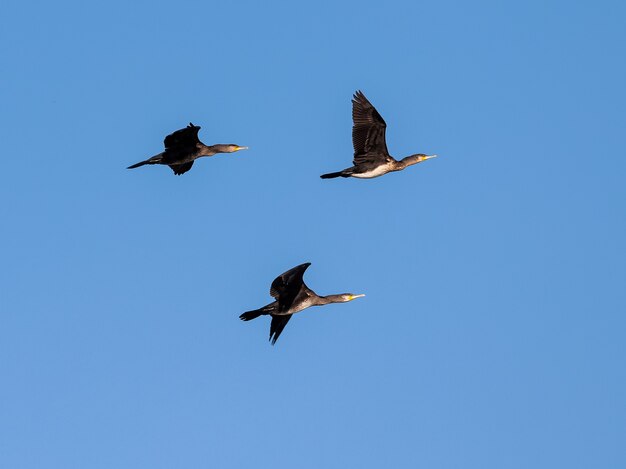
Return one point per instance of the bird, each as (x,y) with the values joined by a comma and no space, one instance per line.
(292,296)
(183,147)
(371,157)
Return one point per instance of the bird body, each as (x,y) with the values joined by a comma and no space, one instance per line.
(292,296)
(373,171)
(371,157)
(183,147)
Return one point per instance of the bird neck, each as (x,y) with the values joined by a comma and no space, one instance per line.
(219,148)
(408,161)
(325,300)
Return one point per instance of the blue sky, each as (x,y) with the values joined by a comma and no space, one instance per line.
(492,333)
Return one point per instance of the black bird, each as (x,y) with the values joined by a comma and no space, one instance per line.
(183,147)
(371,158)
(292,296)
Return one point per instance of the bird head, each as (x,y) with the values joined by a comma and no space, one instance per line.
(231,148)
(419,157)
(350,296)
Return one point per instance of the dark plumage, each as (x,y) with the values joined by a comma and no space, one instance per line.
(292,296)
(371,158)
(183,147)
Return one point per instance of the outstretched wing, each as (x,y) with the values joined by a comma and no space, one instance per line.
(181,168)
(286,287)
(288,282)
(183,138)
(277,326)
(368,131)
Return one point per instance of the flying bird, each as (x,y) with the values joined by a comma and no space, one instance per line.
(371,158)
(183,147)
(292,296)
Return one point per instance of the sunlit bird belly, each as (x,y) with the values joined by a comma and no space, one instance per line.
(373,173)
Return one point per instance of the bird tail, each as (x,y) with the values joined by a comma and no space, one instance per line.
(156,159)
(335,175)
(248,315)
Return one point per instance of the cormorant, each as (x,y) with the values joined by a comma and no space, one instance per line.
(371,158)
(183,147)
(292,296)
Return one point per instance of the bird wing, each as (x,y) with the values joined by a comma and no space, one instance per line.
(277,326)
(181,168)
(183,138)
(368,131)
(286,287)
(289,282)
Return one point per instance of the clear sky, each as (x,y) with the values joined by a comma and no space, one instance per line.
(493,330)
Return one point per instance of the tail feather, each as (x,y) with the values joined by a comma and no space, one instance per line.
(248,315)
(136,165)
(335,175)
(156,159)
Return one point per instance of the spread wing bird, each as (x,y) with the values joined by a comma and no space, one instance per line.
(292,296)
(371,157)
(183,147)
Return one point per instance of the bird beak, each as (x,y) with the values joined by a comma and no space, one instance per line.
(352,297)
(428,157)
(241,148)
